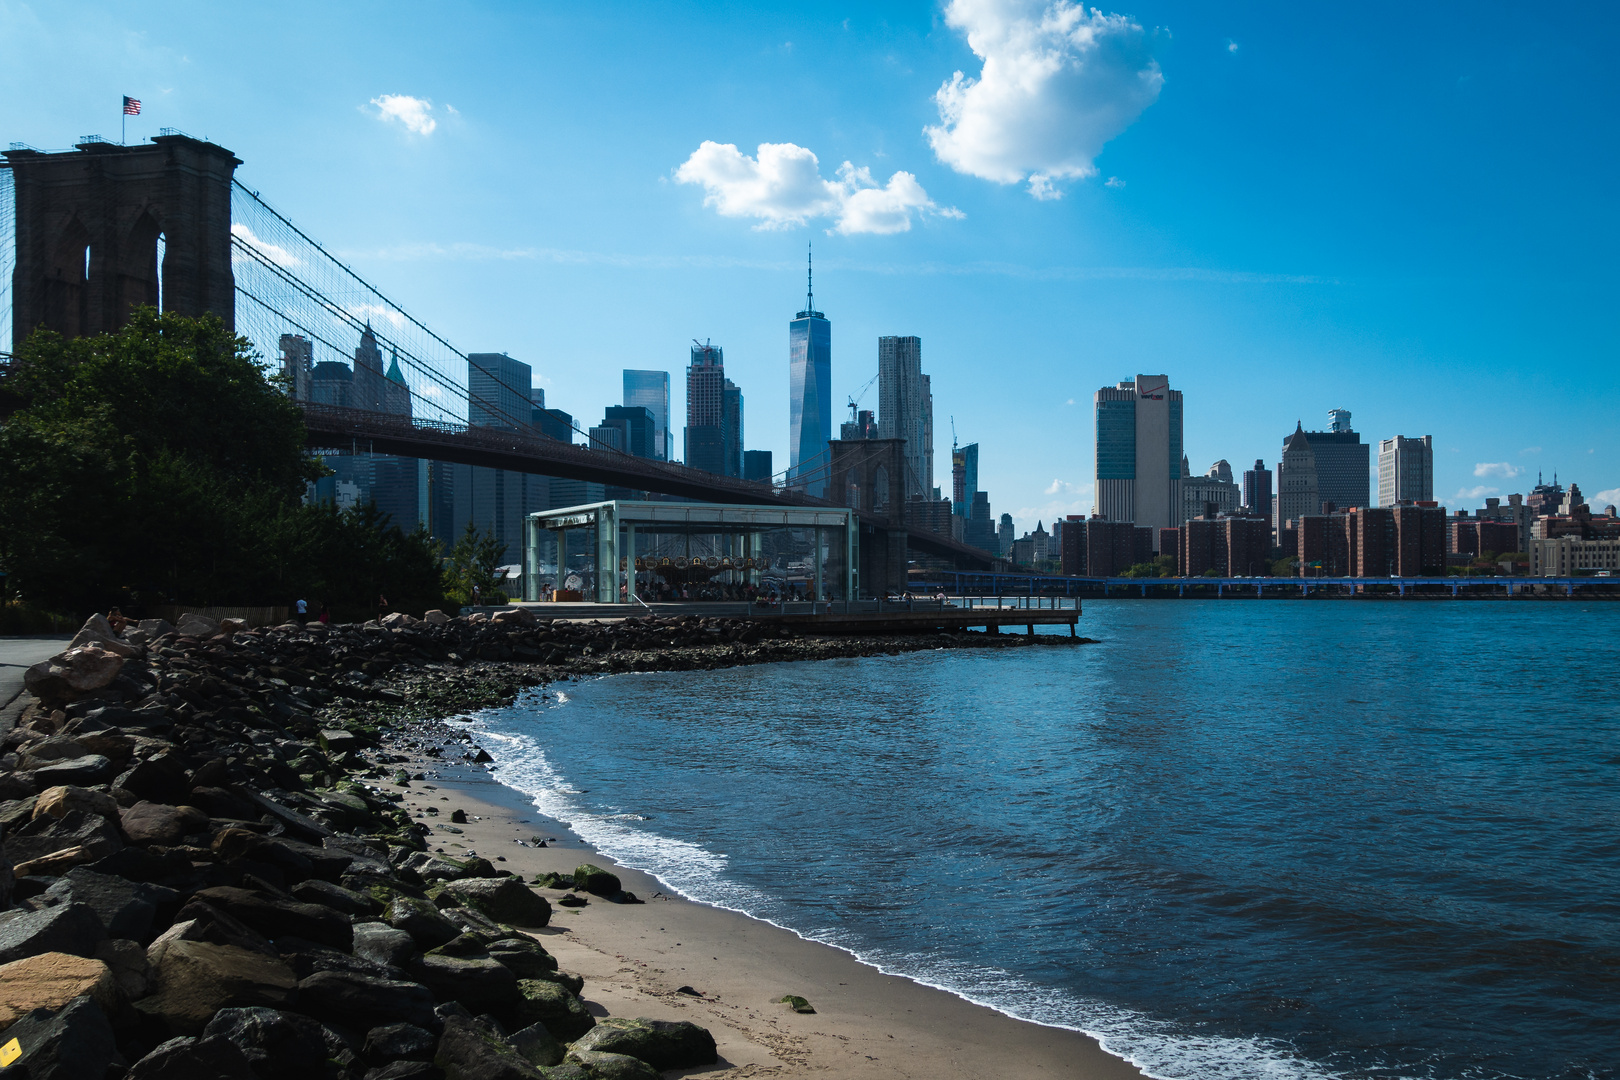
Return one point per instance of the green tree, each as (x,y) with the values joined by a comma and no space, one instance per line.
(472,562)
(161,464)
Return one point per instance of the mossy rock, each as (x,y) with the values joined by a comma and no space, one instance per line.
(594,879)
(797,1003)
(555,1006)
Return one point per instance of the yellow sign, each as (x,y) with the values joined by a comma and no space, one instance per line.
(10,1052)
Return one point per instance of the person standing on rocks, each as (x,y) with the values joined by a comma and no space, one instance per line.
(477,595)
(301,611)
(326,614)
(382,606)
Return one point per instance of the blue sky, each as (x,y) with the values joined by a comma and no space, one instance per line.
(1403,210)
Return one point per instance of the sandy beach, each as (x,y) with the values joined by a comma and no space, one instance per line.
(636,960)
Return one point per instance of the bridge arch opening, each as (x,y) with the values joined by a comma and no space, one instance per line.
(880,490)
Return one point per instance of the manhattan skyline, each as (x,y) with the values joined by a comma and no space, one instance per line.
(1291,211)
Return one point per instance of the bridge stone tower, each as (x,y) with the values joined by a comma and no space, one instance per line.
(88,223)
(869,475)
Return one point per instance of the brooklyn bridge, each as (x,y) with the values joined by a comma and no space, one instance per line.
(99,229)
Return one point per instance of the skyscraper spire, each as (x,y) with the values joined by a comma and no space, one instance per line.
(810,277)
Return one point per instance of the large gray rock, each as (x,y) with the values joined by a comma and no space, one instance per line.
(477,982)
(45,835)
(275,1043)
(126,908)
(70,928)
(157,823)
(663,1044)
(188,1058)
(421,920)
(197,626)
(471,1049)
(537,1045)
(73,674)
(193,980)
(559,1009)
(526,957)
(364,1001)
(89,769)
(602,1066)
(505,900)
(200,921)
(160,778)
(72,1043)
(391,1042)
(344,901)
(99,632)
(382,944)
(275,917)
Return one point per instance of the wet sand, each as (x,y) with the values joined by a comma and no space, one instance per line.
(637,958)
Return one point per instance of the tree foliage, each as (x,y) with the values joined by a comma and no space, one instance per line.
(161,465)
(472,562)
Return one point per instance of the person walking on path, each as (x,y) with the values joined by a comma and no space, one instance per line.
(301,611)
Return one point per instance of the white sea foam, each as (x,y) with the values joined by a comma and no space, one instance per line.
(1158,1047)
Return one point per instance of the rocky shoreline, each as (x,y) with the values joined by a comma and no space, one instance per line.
(207,871)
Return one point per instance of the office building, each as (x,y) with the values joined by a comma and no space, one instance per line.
(713,414)
(650,390)
(1004,534)
(1257,490)
(1096,547)
(1209,495)
(1298,495)
(498,391)
(1139,456)
(393,484)
(297,365)
(1343,473)
(905,409)
(809,396)
(964,478)
(757,466)
(636,431)
(980,529)
(1405,470)
(1564,556)
(863,426)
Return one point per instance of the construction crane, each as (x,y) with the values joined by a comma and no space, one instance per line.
(856,400)
(953,433)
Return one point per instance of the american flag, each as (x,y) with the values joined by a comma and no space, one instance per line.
(132,106)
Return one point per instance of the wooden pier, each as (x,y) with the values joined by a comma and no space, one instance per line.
(856,617)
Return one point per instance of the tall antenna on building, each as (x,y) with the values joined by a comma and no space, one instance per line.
(810,277)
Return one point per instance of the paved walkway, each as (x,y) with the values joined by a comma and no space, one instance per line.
(17,655)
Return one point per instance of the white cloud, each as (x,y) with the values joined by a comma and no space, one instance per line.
(1069,402)
(1231,46)
(414,112)
(273,252)
(1531,450)
(1605,498)
(1056,84)
(783,187)
(376,313)
(1470,494)
(1503,469)
(1113,182)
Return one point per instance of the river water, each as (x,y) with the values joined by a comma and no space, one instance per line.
(1231,839)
